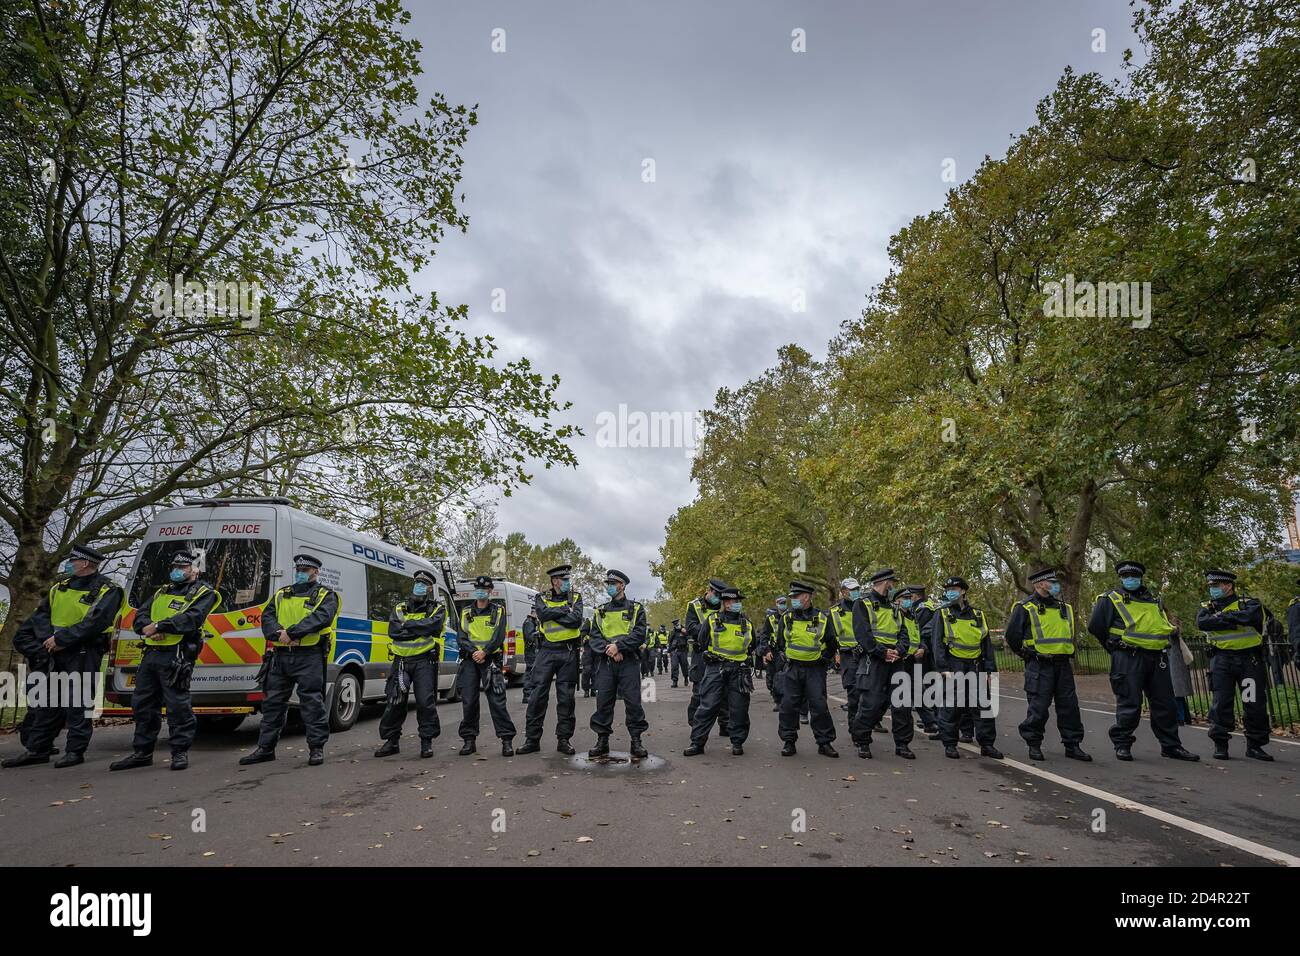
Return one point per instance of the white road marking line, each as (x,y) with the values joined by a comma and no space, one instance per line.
(1111,713)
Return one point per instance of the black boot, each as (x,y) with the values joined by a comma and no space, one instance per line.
(426,747)
(180,759)
(529,747)
(140,758)
(1221,750)
(788,749)
(1180,753)
(388,748)
(1124,753)
(904,751)
(967,738)
(315,756)
(602,746)
(1075,752)
(638,751)
(26,759)
(864,751)
(70,759)
(563,746)
(737,751)
(951,751)
(988,750)
(1254,753)
(468,747)
(507,747)
(1036,752)
(257,756)
(826,750)
(694,750)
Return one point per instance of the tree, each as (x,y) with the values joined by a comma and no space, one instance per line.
(157,162)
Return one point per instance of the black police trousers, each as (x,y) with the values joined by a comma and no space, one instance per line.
(530,655)
(304,668)
(422,669)
(152,692)
(559,663)
(679,664)
(588,667)
(805,686)
(29,719)
(849,667)
(957,709)
(56,712)
(1134,672)
(1228,671)
(1049,679)
(875,676)
(724,690)
(615,681)
(693,708)
(470,681)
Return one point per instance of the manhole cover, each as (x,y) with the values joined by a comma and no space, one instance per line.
(617,760)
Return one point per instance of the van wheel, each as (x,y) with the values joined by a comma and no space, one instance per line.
(345,702)
(219,723)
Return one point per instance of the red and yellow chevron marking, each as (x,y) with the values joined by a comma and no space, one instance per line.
(234,637)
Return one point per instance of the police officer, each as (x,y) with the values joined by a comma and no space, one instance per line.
(647,654)
(588,659)
(532,635)
(482,639)
(171,624)
(1041,631)
(882,642)
(917,610)
(807,639)
(959,635)
(560,614)
(661,650)
(697,615)
(728,681)
(416,629)
(677,653)
(1234,628)
(767,638)
(847,658)
(1131,623)
(618,636)
(68,634)
(298,624)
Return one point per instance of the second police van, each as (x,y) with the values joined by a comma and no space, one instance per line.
(246,548)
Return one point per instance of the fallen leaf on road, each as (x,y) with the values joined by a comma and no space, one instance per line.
(585,839)
(990,854)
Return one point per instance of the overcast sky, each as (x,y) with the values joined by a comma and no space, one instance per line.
(774,172)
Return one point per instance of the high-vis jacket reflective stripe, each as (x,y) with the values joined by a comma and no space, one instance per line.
(803,639)
(420,644)
(1049,631)
(166,605)
(1145,623)
(964,638)
(885,623)
(617,622)
(913,633)
(1238,639)
(729,639)
(291,608)
(554,631)
(843,627)
(479,628)
(67,607)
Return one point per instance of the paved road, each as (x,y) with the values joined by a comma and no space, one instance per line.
(545,809)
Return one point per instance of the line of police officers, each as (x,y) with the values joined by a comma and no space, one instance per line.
(871,635)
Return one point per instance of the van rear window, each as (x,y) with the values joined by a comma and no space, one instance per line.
(239,568)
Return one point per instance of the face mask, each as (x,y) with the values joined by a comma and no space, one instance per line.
(951,595)
(1055,589)
(780,608)
(907,604)
(301,577)
(736,608)
(796,604)
(480,595)
(564,586)
(892,592)
(67,567)
(177,575)
(1216,592)
(713,600)
(855,594)
(1131,584)
(611,589)
(420,589)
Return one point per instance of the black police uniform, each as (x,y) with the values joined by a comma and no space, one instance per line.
(474,676)
(677,647)
(1231,668)
(619,680)
(767,640)
(951,717)
(587,660)
(154,685)
(556,661)
(843,619)
(300,666)
(1049,678)
(804,682)
(79,649)
(875,674)
(725,687)
(696,639)
(531,638)
(420,671)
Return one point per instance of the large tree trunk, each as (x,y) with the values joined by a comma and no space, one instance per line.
(30,576)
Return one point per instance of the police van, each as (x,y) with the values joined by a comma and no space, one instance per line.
(518,601)
(246,548)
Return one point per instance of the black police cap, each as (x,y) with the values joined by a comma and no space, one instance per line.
(1214,574)
(483,581)
(1042,574)
(1130,567)
(956,582)
(82,552)
(613,575)
(884,574)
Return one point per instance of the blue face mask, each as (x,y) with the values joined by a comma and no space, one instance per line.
(611,589)
(564,586)
(480,594)
(713,600)
(301,577)
(855,594)
(796,604)
(951,595)
(907,604)
(736,607)
(67,567)
(1216,592)
(1131,584)
(1055,589)
(177,575)
(780,608)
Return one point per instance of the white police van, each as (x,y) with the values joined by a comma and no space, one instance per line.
(246,548)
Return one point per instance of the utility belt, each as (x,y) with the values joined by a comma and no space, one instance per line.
(1049,658)
(574,642)
(791,662)
(431,653)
